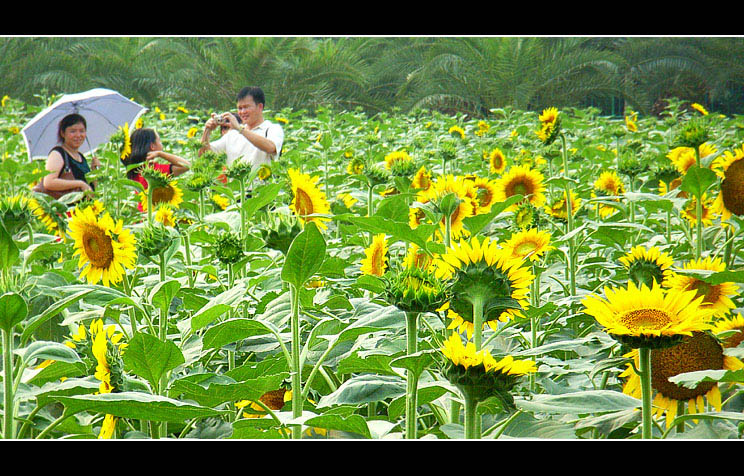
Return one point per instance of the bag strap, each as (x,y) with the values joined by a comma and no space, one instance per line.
(66,167)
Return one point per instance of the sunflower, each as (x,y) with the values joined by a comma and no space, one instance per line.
(557,209)
(50,218)
(733,327)
(126,142)
(608,184)
(483,271)
(274,400)
(483,128)
(716,297)
(532,244)
(164,215)
(396,157)
(169,194)
(643,317)
(422,179)
(496,161)
(417,258)
(308,199)
(346,199)
(264,172)
(667,187)
(355,166)
(105,247)
(441,187)
(521,180)
(550,125)
(684,157)
(646,266)
(699,108)
(376,256)
(106,349)
(484,196)
(630,122)
(478,374)
(456,131)
(220,200)
(690,213)
(730,168)
(697,352)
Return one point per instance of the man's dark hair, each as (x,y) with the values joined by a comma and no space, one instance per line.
(253,91)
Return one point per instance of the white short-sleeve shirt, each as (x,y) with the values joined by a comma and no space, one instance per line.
(235,145)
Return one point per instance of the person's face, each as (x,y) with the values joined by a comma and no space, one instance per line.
(248,110)
(74,135)
(157,145)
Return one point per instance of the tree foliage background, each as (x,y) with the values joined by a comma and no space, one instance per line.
(449,74)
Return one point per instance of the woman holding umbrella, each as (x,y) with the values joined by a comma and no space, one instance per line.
(67,166)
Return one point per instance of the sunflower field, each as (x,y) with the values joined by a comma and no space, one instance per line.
(408,275)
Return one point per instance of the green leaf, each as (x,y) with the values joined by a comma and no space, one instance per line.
(13,310)
(305,256)
(163,293)
(217,306)
(477,223)
(364,389)
(212,392)
(263,196)
(232,330)
(417,362)
(350,424)
(374,363)
(691,380)
(697,180)
(424,394)
(9,252)
(150,358)
(397,230)
(136,405)
(47,350)
(50,312)
(590,401)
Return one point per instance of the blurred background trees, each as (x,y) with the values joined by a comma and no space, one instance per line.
(450,74)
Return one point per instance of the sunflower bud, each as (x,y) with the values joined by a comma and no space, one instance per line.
(693,134)
(281,233)
(228,248)
(239,170)
(154,239)
(15,212)
(447,151)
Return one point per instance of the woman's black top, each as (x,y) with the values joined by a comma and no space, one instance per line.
(78,169)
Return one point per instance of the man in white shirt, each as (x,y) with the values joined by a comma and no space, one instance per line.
(256,140)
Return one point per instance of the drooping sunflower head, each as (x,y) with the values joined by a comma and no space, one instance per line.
(699,351)
(415,290)
(478,374)
(399,163)
(281,231)
(456,132)
(716,297)
(699,108)
(376,256)
(50,213)
(105,247)
(15,212)
(106,348)
(730,167)
(308,201)
(646,266)
(648,317)
(481,271)
(355,166)
(529,244)
(521,181)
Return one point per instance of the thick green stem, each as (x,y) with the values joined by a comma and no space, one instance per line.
(412,378)
(9,406)
(297,399)
(570,223)
(478,322)
(698,215)
(645,376)
(149,204)
(471,428)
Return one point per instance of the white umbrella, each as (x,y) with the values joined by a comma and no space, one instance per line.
(104,111)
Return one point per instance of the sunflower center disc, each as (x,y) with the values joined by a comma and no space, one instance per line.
(98,247)
(697,352)
(162,195)
(710,292)
(303,203)
(732,188)
(645,319)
